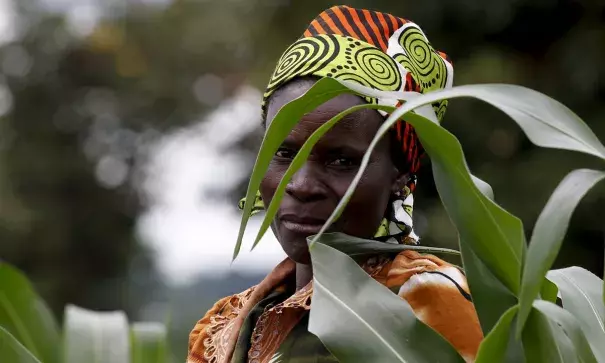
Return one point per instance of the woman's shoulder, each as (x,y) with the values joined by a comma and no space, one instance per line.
(209,330)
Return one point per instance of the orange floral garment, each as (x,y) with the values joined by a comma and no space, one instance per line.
(437,292)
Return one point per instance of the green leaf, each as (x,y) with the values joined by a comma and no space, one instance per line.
(549,291)
(495,235)
(360,320)
(95,337)
(545,121)
(276,132)
(549,232)
(493,348)
(581,293)
(545,341)
(565,320)
(12,351)
(491,298)
(357,247)
(149,343)
(26,316)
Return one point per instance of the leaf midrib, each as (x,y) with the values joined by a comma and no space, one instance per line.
(19,326)
(588,299)
(372,330)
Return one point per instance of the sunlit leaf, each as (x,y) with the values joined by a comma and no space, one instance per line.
(581,293)
(26,316)
(149,343)
(549,232)
(12,351)
(360,320)
(95,337)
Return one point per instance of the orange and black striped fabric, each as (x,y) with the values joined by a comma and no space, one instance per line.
(374,49)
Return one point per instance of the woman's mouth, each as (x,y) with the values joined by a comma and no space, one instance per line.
(302,225)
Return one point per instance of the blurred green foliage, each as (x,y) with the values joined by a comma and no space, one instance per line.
(82,108)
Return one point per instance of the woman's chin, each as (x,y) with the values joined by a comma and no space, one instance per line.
(297,249)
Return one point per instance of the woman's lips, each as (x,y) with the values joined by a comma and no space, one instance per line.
(302,225)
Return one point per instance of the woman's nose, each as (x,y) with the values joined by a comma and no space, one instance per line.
(306,185)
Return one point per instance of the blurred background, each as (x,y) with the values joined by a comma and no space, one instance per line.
(128,129)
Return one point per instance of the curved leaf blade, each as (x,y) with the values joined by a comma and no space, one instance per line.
(545,341)
(462,199)
(570,325)
(549,232)
(149,343)
(355,246)
(581,293)
(26,316)
(13,351)
(96,337)
(545,121)
(360,320)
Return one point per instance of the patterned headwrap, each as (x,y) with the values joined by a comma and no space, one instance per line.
(379,51)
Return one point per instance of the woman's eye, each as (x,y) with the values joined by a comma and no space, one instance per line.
(346,162)
(285,153)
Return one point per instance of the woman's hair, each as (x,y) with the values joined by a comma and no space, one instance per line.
(397,154)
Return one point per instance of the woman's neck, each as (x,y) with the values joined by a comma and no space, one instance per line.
(304,274)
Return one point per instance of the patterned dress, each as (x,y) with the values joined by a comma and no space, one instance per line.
(272,324)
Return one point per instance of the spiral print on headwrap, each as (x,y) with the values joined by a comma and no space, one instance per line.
(339,57)
(427,67)
(380,51)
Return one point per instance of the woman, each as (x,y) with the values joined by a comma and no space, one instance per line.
(383,52)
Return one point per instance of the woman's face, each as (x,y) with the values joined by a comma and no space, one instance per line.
(318,186)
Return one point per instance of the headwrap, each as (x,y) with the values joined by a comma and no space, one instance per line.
(379,51)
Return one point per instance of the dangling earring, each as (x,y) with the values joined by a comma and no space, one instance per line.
(257,207)
(402,209)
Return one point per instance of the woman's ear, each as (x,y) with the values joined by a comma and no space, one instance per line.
(400,181)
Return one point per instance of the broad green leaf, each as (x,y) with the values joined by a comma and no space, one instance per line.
(549,291)
(581,293)
(26,316)
(360,320)
(494,347)
(149,343)
(277,131)
(12,351)
(548,234)
(545,341)
(299,160)
(95,337)
(570,326)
